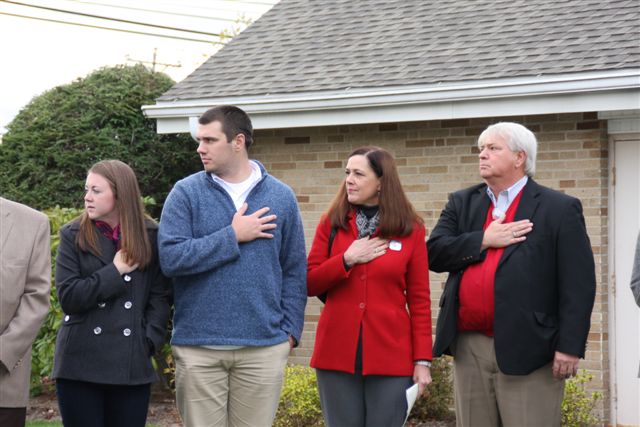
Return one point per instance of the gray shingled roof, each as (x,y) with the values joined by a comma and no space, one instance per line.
(319,45)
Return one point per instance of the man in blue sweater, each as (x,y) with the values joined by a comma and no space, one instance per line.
(231,238)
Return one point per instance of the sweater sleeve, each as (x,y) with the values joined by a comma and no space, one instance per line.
(181,252)
(294,266)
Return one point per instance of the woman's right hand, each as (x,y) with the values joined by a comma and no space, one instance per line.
(364,250)
(121,265)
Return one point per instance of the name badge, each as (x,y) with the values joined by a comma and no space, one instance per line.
(395,245)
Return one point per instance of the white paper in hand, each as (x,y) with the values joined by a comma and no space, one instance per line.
(412,395)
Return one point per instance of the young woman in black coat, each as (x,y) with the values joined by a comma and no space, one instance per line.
(115,302)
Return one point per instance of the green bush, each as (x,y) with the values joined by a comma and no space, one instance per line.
(52,142)
(578,405)
(437,400)
(44,345)
(299,401)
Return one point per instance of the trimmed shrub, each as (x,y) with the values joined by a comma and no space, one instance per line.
(437,400)
(54,139)
(578,405)
(299,401)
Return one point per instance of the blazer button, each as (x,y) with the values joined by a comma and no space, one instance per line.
(102,305)
(97,330)
(127,278)
(128,305)
(126,332)
(66,318)
(361,305)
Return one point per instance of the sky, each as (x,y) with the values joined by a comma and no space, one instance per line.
(39,54)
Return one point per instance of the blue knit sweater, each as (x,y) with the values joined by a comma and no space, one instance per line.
(247,294)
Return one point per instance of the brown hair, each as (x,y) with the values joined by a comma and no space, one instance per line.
(233,121)
(135,242)
(397,215)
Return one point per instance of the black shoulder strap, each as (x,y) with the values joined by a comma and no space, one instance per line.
(334,231)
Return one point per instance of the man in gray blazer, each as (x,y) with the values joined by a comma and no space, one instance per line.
(25,280)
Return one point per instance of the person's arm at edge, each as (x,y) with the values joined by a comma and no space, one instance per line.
(23,328)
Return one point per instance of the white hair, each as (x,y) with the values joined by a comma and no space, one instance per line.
(518,138)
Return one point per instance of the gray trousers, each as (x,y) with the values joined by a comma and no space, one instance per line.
(354,400)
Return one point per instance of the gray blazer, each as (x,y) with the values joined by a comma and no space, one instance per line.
(25,281)
(112,324)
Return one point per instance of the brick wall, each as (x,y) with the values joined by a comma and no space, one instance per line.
(437,157)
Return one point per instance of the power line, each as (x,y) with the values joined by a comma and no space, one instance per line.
(111,28)
(163,12)
(88,15)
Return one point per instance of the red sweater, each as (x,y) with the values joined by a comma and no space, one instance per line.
(476,287)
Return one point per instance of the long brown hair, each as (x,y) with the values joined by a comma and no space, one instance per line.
(135,242)
(397,215)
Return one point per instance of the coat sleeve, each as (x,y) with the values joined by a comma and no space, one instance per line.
(635,275)
(78,294)
(576,280)
(418,297)
(23,327)
(156,312)
(451,249)
(294,265)
(181,252)
(324,271)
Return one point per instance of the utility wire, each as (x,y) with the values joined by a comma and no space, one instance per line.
(140,9)
(111,28)
(110,19)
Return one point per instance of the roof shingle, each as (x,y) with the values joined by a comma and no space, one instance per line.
(311,45)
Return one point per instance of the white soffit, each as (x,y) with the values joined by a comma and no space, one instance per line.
(567,93)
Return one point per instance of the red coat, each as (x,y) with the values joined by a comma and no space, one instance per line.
(388,297)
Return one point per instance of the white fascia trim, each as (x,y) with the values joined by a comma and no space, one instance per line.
(590,91)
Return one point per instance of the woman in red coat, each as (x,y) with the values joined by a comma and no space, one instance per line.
(369,259)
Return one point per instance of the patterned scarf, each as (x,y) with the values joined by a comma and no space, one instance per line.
(367,225)
(112,234)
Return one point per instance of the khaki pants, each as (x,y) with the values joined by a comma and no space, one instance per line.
(229,387)
(486,397)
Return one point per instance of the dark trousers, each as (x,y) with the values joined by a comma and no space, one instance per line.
(13,417)
(356,400)
(84,404)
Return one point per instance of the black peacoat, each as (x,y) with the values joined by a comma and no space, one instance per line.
(112,324)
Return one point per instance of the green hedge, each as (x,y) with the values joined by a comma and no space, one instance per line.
(52,142)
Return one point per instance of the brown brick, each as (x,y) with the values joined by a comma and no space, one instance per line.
(282,165)
(289,140)
(455,123)
(333,165)
(420,143)
(335,138)
(570,183)
(387,127)
(303,199)
(595,124)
